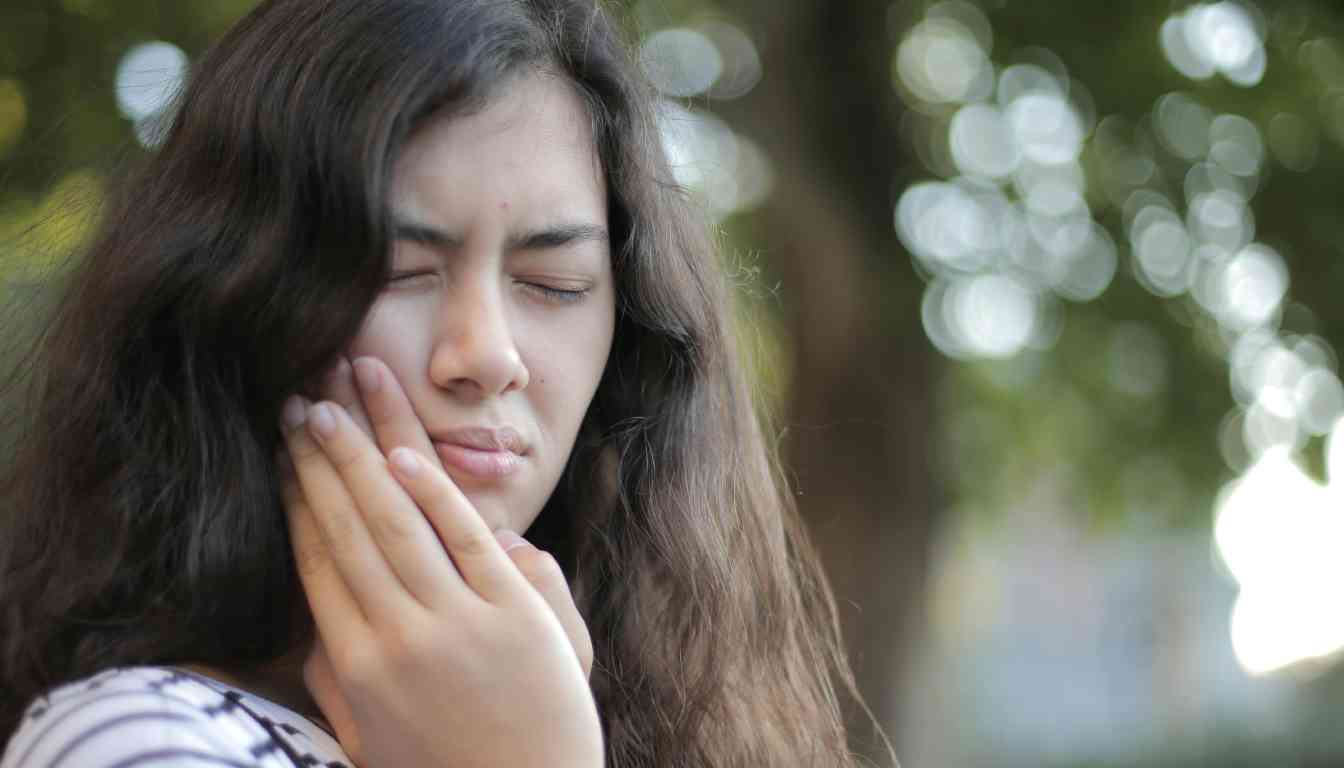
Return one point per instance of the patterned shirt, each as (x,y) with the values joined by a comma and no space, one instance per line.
(164,717)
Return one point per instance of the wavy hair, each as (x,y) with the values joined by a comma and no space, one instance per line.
(142,516)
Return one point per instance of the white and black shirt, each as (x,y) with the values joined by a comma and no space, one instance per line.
(164,717)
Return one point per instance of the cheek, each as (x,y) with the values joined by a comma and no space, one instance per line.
(396,332)
(565,361)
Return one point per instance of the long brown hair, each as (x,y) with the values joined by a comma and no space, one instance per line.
(142,516)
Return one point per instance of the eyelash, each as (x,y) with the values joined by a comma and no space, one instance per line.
(564,296)
(561,295)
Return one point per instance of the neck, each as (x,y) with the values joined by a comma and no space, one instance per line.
(279,680)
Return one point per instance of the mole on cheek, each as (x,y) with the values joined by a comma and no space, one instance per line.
(504,205)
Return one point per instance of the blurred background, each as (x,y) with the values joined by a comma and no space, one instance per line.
(1045,294)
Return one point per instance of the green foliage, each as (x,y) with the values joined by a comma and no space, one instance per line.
(61,132)
(1075,412)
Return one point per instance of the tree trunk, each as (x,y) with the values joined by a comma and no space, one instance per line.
(860,416)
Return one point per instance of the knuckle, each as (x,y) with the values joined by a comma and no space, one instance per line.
(347,456)
(381,416)
(356,665)
(340,529)
(473,543)
(303,450)
(402,433)
(410,644)
(393,529)
(539,566)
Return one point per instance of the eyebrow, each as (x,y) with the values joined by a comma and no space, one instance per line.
(546,237)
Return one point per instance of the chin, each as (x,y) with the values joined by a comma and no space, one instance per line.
(494,511)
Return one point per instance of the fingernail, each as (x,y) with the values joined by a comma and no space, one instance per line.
(324,421)
(294,412)
(510,540)
(366,373)
(405,460)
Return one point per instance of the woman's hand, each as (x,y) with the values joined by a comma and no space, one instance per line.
(375,401)
(437,648)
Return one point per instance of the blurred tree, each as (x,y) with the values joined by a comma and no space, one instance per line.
(1124,399)
(861,396)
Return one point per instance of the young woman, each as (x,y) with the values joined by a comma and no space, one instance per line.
(407,279)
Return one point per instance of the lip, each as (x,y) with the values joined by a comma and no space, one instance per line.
(482,452)
(483,439)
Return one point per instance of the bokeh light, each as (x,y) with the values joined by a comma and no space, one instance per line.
(681,62)
(1162,251)
(728,172)
(148,78)
(1183,126)
(941,61)
(982,142)
(1236,146)
(1332,113)
(725,171)
(1226,38)
(741,69)
(1279,534)
(1011,228)
(1012,225)
(1253,286)
(984,316)
(1046,127)
(1324,58)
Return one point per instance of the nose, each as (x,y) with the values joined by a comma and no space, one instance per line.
(475,355)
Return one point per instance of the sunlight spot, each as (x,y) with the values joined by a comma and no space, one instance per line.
(680,62)
(148,77)
(940,61)
(1279,533)
(1222,37)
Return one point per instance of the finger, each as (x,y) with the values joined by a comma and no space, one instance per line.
(339,387)
(320,678)
(545,575)
(406,540)
(464,534)
(329,600)
(389,410)
(344,535)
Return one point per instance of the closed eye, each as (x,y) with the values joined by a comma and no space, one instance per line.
(408,277)
(561,295)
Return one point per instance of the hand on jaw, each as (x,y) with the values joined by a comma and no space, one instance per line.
(436,645)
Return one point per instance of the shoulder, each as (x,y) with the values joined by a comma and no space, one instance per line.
(140,716)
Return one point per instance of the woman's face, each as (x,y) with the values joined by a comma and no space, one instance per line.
(500,310)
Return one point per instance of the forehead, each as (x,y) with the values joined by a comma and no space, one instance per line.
(530,146)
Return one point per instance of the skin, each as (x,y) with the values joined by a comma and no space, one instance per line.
(497,212)
(500,312)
